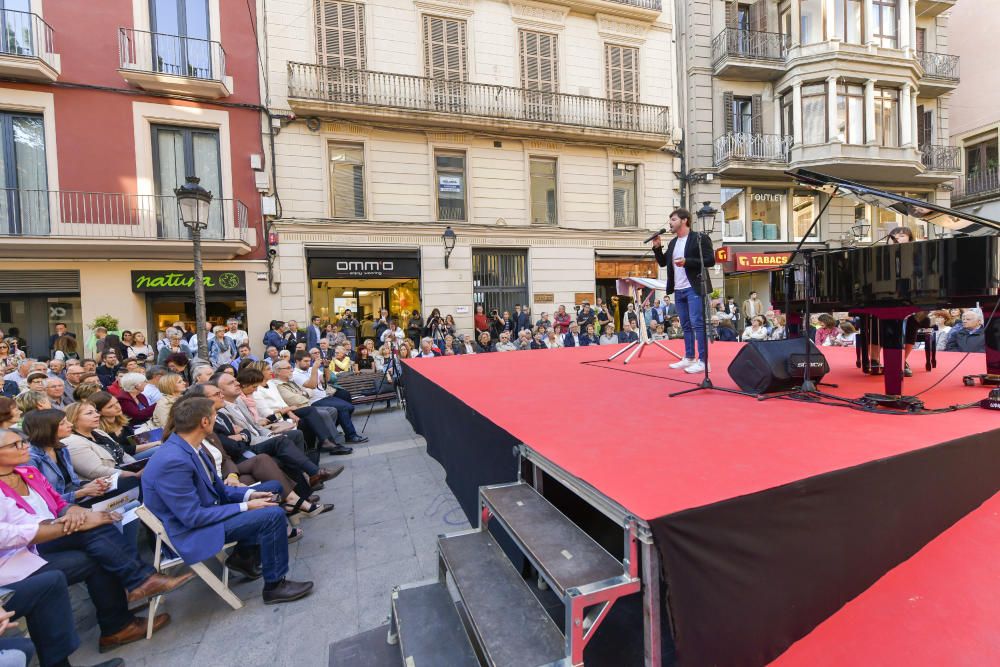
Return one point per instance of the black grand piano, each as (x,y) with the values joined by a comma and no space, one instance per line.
(892,281)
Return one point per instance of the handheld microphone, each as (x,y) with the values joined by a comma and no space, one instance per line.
(662,231)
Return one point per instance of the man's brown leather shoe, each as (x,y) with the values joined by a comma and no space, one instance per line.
(158,584)
(132,632)
(325,474)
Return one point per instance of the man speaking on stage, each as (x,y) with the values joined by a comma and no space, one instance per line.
(685,283)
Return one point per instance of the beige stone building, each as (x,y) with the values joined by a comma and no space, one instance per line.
(858,89)
(975,116)
(539,132)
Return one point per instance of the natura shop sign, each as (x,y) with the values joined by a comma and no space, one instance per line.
(183,281)
(760,261)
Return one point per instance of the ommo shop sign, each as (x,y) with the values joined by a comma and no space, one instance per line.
(360,266)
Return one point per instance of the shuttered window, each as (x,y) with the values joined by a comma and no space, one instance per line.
(625,195)
(622,65)
(347,180)
(340,34)
(444,48)
(539,61)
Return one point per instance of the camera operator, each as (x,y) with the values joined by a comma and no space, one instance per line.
(498,323)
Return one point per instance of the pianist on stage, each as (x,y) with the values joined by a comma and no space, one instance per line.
(687,253)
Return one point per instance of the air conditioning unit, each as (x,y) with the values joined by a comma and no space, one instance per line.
(268,206)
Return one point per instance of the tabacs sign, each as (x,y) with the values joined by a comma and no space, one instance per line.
(760,261)
(183,281)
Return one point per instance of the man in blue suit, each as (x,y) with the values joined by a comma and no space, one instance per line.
(313,333)
(201,514)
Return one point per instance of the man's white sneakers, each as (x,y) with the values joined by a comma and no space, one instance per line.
(683,363)
(695,367)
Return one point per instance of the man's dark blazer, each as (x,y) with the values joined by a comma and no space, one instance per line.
(692,260)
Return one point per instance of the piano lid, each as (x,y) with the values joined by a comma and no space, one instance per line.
(958,222)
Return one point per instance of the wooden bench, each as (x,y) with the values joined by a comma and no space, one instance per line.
(361,385)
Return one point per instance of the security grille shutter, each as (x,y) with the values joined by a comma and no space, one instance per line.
(756,119)
(622,72)
(539,61)
(727,105)
(39,282)
(340,34)
(444,48)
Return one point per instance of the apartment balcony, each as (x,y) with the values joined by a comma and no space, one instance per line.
(55,224)
(941,158)
(749,55)
(172,64)
(26,50)
(975,188)
(860,162)
(333,92)
(648,10)
(930,8)
(745,154)
(941,73)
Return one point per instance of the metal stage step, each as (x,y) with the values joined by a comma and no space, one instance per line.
(565,555)
(512,628)
(430,630)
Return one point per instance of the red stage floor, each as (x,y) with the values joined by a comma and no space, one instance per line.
(940,607)
(672,454)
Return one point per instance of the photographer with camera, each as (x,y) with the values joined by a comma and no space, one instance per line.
(498,323)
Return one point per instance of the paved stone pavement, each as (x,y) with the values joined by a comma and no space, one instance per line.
(392,502)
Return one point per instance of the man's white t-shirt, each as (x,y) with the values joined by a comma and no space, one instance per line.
(680,275)
(300,377)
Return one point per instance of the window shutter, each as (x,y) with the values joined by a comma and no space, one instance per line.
(756,118)
(759,11)
(340,39)
(444,48)
(622,68)
(727,105)
(539,61)
(732,12)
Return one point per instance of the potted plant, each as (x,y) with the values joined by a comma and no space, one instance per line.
(108,322)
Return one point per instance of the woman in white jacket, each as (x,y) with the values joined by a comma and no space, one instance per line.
(756,330)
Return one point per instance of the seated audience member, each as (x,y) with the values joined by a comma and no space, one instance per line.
(84,536)
(942,322)
(10,414)
(627,335)
(221,348)
(171,386)
(108,370)
(89,384)
(57,368)
(483,343)
(45,430)
(242,352)
(504,344)
(588,337)
(73,375)
(538,340)
(756,330)
(19,375)
(201,514)
(201,374)
(93,452)
(970,336)
(341,363)
(308,384)
(828,327)
(573,338)
(464,344)
(674,331)
(846,337)
(55,389)
(271,355)
(150,391)
(32,400)
(257,468)
(116,424)
(724,330)
(240,428)
(553,340)
(608,337)
(427,348)
(365,361)
(659,333)
(173,343)
(780,330)
(180,364)
(37,381)
(134,404)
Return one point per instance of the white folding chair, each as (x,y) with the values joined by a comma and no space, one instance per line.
(220,586)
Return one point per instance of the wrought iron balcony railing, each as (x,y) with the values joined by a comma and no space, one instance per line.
(111,215)
(939,65)
(746,147)
(975,185)
(26,35)
(401,91)
(749,44)
(642,4)
(940,158)
(173,55)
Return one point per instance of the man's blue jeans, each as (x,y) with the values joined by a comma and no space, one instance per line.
(691,310)
(109,548)
(267,529)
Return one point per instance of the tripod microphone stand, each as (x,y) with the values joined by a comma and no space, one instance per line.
(704,214)
(639,345)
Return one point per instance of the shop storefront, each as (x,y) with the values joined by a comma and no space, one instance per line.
(31,302)
(365,281)
(169,297)
(610,269)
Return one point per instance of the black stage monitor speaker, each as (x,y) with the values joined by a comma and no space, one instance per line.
(764,366)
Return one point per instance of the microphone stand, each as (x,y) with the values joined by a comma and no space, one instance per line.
(706,382)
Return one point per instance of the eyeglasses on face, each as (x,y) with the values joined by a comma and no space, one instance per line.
(20,443)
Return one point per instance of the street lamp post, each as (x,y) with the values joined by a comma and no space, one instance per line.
(194,204)
(448,238)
